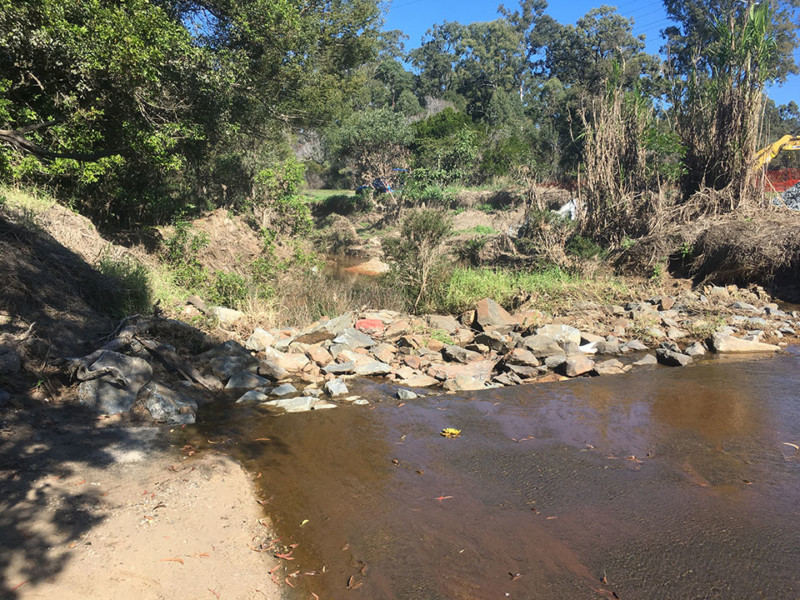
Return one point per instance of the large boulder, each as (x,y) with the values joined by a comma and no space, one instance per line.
(542,346)
(326,330)
(489,313)
(459,354)
(724,344)
(578,365)
(245,381)
(227,317)
(562,334)
(672,358)
(446,323)
(224,367)
(260,340)
(168,405)
(105,394)
(353,338)
(270,368)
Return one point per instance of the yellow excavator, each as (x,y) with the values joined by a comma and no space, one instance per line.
(782,179)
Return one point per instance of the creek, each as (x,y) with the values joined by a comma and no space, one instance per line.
(660,483)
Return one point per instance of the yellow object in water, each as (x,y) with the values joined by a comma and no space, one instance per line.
(450,432)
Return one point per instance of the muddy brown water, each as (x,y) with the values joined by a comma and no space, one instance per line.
(661,483)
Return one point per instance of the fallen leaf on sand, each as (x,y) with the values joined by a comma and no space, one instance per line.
(289,583)
(450,432)
(440,498)
(346,547)
(315,596)
(214,592)
(795,446)
(515,576)
(261,440)
(178,560)
(285,556)
(305,521)
(353,583)
(19,585)
(273,569)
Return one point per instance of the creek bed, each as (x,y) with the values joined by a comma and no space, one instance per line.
(660,483)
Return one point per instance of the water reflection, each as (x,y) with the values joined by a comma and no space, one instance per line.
(674,483)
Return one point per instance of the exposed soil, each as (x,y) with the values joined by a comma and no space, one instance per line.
(109,512)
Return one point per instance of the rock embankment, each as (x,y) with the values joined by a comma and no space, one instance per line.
(308,369)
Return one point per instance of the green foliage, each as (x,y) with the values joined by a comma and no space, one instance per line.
(132,289)
(228,289)
(583,247)
(416,257)
(181,252)
(278,200)
(440,335)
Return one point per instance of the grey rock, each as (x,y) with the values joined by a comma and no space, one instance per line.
(464,383)
(446,323)
(340,368)
(671,358)
(260,340)
(775,312)
(312,391)
(523,370)
(253,396)
(489,313)
(322,405)
(353,338)
(283,390)
(757,322)
(786,330)
(224,367)
(229,348)
(609,367)
(459,354)
(725,344)
(419,381)
(373,368)
(520,356)
(406,394)
(609,347)
(360,402)
(327,330)
(590,338)
(542,345)
(167,405)
(245,380)
(634,346)
(10,363)
(226,316)
(674,333)
(293,405)
(269,368)
(578,365)
(494,340)
(562,334)
(696,349)
(104,394)
(744,306)
(646,360)
(554,362)
(336,387)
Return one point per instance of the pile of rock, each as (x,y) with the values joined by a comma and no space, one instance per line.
(308,369)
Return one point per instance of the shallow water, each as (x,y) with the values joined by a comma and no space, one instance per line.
(661,483)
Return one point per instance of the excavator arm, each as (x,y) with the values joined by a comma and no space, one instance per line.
(765,155)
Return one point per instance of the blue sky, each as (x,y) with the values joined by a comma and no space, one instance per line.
(415,17)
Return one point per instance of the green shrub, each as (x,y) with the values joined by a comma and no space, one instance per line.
(417,256)
(584,247)
(133,294)
(181,251)
(228,289)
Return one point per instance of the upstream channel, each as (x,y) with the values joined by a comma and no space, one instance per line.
(661,483)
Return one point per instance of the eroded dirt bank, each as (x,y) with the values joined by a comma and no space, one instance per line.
(118,513)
